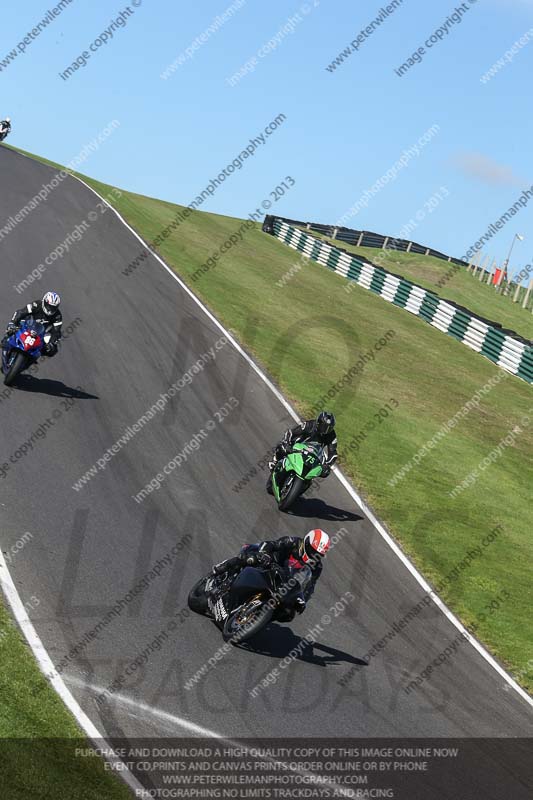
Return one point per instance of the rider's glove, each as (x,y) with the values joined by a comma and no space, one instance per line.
(299,605)
(263,560)
(326,469)
(11,327)
(281,450)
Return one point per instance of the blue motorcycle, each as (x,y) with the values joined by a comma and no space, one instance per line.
(23,348)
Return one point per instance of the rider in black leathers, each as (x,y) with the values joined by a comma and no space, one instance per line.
(5,128)
(290,552)
(321,430)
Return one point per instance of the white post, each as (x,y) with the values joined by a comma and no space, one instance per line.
(491,271)
(526,298)
(473,264)
(482,266)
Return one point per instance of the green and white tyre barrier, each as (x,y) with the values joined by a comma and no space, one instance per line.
(509,352)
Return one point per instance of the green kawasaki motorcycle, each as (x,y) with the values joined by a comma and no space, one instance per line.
(294,473)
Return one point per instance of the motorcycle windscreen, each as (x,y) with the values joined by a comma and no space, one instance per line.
(302,577)
(310,447)
(298,581)
(306,460)
(30,336)
(249,582)
(31,325)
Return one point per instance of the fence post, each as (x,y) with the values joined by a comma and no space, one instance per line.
(517,293)
(360,239)
(385,243)
(528,292)
(335,232)
(526,298)
(481,266)
(409,247)
(476,262)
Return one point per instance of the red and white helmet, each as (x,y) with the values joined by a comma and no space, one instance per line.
(316,543)
(50,302)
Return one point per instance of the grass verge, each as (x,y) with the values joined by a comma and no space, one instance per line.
(38,735)
(462,287)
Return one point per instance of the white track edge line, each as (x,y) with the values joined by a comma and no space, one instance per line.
(41,654)
(205,732)
(180,722)
(379,526)
(56,681)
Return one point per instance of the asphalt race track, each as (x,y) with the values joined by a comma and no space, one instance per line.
(134,337)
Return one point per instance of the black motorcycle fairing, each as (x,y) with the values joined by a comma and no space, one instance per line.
(249,581)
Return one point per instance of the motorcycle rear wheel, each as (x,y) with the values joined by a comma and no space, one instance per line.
(197,599)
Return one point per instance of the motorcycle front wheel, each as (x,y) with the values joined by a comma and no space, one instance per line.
(246,621)
(292,489)
(19,363)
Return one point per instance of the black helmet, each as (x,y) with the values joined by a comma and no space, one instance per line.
(325,422)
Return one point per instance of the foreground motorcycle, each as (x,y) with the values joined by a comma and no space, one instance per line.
(294,473)
(23,348)
(243,602)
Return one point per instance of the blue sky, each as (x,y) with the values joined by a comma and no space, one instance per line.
(344,129)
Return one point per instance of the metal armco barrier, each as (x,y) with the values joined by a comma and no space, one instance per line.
(370,239)
(505,348)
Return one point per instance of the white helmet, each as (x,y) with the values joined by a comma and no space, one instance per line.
(51,302)
(8,119)
(315,543)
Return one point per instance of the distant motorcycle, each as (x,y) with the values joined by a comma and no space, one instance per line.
(242,603)
(294,473)
(23,348)
(4,130)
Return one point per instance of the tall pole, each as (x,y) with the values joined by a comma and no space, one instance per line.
(506,264)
